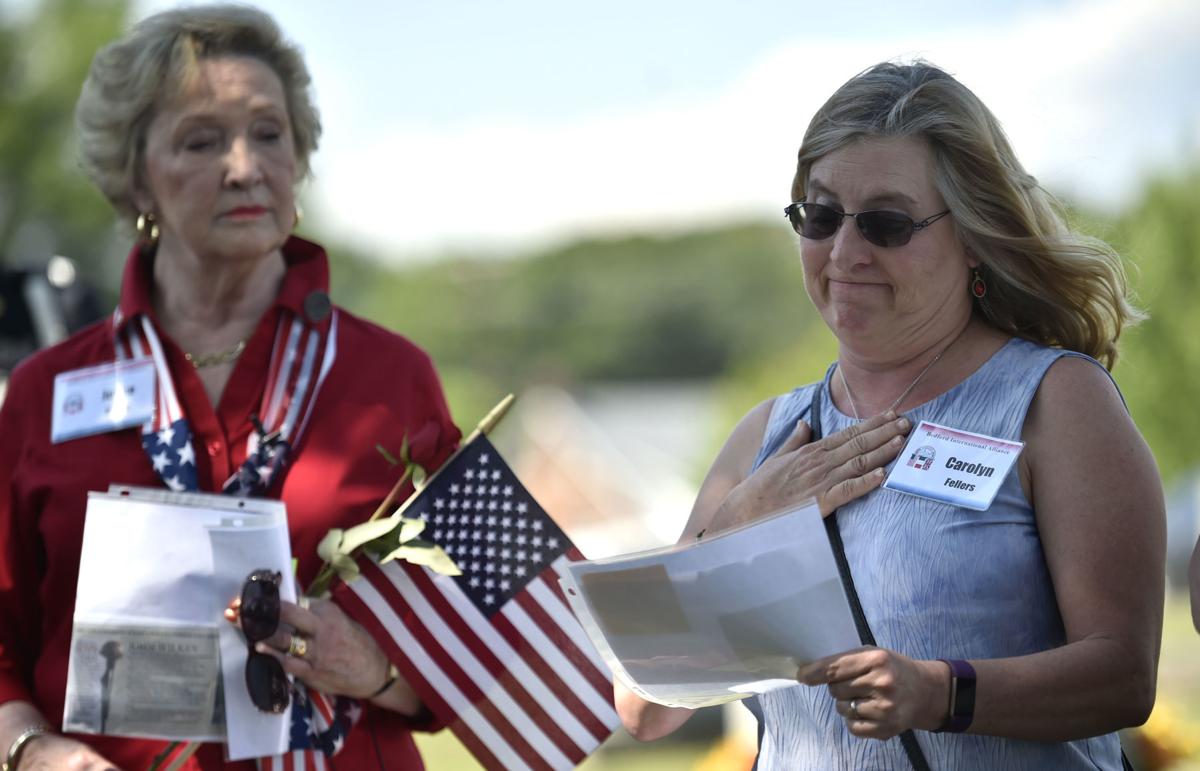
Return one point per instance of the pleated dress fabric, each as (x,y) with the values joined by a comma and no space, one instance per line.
(937,581)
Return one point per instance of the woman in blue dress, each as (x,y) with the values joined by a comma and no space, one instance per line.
(1019,631)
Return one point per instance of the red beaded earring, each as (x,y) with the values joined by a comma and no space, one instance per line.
(978,286)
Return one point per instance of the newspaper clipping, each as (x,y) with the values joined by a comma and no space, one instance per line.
(145,681)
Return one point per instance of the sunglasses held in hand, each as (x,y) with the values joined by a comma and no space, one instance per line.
(266,681)
(880,227)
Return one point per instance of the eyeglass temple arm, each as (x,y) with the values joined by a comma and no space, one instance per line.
(929,220)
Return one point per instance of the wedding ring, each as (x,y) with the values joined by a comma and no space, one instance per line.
(854,709)
(298,646)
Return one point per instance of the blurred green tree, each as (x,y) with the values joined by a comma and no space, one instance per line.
(692,305)
(1159,370)
(47,206)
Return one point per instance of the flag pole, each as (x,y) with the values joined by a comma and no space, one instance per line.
(484,427)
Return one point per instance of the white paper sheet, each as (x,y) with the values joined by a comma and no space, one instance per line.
(238,550)
(729,616)
(148,575)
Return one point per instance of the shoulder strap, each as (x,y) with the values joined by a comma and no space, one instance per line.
(907,738)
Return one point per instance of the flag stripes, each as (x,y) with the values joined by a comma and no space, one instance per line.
(286,357)
(590,686)
(370,607)
(457,656)
(440,692)
(566,695)
(514,673)
(506,681)
(529,653)
(568,734)
(557,620)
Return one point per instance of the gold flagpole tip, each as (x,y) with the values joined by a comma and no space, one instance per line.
(492,418)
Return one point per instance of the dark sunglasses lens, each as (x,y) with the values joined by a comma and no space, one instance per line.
(259,613)
(885,228)
(266,683)
(817,221)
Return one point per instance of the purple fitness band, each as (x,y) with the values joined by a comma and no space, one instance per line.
(962,696)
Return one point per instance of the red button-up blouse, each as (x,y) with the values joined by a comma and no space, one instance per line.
(380,389)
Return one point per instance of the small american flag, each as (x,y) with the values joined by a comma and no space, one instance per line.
(494,653)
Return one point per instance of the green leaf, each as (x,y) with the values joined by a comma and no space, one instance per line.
(367,531)
(430,556)
(419,477)
(381,546)
(410,529)
(346,567)
(330,545)
(387,455)
(405,457)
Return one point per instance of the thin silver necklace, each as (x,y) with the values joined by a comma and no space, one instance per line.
(911,386)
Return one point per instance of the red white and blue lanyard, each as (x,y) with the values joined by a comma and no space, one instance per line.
(300,361)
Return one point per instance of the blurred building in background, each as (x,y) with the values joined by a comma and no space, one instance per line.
(616,465)
(39,306)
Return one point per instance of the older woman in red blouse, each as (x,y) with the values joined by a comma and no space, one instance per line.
(197,126)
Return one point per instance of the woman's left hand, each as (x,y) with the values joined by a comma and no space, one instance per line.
(330,652)
(881,693)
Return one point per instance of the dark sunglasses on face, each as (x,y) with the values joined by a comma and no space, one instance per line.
(880,227)
(266,681)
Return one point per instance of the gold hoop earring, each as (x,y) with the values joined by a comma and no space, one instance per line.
(147,229)
(299,216)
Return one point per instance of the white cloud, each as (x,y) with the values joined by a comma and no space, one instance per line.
(1089,94)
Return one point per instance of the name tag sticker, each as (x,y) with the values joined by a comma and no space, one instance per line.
(107,397)
(953,466)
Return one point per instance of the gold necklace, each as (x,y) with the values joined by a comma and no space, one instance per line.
(220,357)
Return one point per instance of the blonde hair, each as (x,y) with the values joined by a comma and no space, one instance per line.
(1045,282)
(134,76)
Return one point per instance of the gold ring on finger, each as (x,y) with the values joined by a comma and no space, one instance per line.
(298,647)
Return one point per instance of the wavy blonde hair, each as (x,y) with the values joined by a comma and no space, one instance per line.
(1045,282)
(131,78)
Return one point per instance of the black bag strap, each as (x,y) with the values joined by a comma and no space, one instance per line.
(907,738)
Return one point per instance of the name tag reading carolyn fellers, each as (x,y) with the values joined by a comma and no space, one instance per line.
(953,466)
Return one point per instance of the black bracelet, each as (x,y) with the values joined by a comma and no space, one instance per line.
(393,675)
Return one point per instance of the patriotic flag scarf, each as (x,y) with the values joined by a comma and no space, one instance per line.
(300,360)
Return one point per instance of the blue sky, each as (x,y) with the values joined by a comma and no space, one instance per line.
(506,126)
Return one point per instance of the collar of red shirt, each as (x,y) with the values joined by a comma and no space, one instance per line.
(307,274)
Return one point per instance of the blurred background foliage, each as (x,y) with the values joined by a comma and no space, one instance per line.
(46,206)
(725,306)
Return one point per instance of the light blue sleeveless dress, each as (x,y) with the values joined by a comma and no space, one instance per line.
(937,581)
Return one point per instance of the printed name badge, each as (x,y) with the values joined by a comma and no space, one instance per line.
(107,397)
(953,466)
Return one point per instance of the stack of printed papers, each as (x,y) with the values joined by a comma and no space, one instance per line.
(151,655)
(720,619)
